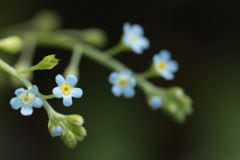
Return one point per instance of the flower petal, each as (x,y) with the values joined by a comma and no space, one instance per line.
(71,80)
(113,77)
(167,75)
(67,100)
(155,102)
(137,49)
(126,40)
(128,92)
(156,58)
(59,79)
(172,66)
(132,82)
(164,55)
(56,131)
(57,92)
(76,92)
(34,90)
(19,91)
(15,103)
(137,29)
(126,28)
(37,102)
(116,90)
(144,42)
(126,73)
(26,110)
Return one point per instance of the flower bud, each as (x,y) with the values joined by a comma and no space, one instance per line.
(48,62)
(11,44)
(155,102)
(76,120)
(69,139)
(54,128)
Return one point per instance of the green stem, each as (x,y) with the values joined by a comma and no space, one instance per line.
(33,68)
(116,49)
(14,73)
(63,41)
(48,96)
(76,57)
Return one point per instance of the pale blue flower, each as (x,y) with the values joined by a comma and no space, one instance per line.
(123,83)
(26,99)
(164,66)
(133,38)
(155,102)
(66,90)
(56,131)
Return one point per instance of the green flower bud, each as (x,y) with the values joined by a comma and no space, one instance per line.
(75,120)
(11,44)
(48,62)
(69,139)
(176,92)
(46,20)
(171,107)
(94,36)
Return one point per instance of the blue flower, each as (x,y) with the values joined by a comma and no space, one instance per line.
(26,99)
(123,83)
(56,131)
(133,38)
(155,102)
(66,90)
(163,65)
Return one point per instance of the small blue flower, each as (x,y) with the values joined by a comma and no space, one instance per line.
(56,131)
(133,38)
(164,66)
(26,99)
(123,83)
(155,102)
(66,90)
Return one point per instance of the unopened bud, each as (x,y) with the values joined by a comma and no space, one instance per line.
(11,44)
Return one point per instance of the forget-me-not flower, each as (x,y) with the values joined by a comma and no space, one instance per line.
(26,99)
(163,65)
(155,102)
(133,38)
(66,90)
(123,83)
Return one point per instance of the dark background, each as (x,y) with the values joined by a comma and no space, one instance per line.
(203,36)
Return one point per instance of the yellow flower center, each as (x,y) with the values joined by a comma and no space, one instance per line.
(26,98)
(133,38)
(122,82)
(162,66)
(65,89)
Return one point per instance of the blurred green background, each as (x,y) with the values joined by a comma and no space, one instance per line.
(202,35)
